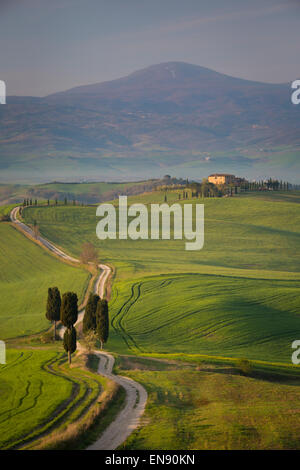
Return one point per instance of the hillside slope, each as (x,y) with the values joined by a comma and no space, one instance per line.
(172,115)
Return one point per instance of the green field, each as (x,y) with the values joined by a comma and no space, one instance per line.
(6,209)
(251,234)
(207,314)
(29,396)
(198,312)
(236,297)
(26,273)
(206,406)
(82,192)
(39,394)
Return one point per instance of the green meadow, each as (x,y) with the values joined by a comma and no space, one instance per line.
(41,397)
(238,296)
(206,314)
(29,396)
(87,192)
(198,312)
(212,406)
(26,273)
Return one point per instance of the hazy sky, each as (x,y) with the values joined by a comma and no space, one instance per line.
(52,45)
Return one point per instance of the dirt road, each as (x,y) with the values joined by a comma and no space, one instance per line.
(136,396)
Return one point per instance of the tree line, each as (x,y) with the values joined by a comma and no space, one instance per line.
(207,189)
(65,310)
(30,202)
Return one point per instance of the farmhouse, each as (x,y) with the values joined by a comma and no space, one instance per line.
(221,178)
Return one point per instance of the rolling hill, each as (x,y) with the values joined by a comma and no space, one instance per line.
(172,116)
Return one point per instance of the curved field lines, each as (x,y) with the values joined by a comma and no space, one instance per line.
(117,320)
(38,394)
(207,314)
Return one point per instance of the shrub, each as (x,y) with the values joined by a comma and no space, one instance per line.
(244,366)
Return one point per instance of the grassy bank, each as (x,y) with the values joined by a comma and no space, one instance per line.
(26,273)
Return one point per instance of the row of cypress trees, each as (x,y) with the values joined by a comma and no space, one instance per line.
(65,309)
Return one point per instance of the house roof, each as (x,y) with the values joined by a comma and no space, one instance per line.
(221,174)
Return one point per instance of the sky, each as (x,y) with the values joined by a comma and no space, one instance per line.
(49,46)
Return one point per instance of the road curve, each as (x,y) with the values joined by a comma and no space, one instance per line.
(129,417)
(136,396)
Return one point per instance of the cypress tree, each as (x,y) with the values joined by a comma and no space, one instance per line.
(89,319)
(70,341)
(68,317)
(53,306)
(69,309)
(102,321)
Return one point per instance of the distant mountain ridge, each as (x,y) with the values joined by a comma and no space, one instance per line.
(165,115)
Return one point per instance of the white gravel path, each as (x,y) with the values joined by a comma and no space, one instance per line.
(128,418)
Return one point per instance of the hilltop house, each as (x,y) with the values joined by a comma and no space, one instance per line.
(221,178)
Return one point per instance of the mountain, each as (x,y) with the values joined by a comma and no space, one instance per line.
(167,117)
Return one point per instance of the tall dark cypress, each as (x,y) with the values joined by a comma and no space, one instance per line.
(70,341)
(53,306)
(68,317)
(102,322)
(89,319)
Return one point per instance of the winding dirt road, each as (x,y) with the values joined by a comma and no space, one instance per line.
(136,396)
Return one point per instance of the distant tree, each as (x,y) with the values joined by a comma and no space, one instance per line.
(244,366)
(89,254)
(53,306)
(70,341)
(30,202)
(102,322)
(48,202)
(5,218)
(89,319)
(56,201)
(35,202)
(36,230)
(165,198)
(68,317)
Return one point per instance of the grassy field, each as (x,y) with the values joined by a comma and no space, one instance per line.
(29,396)
(207,314)
(39,394)
(82,192)
(208,406)
(251,234)
(236,297)
(6,209)
(26,273)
